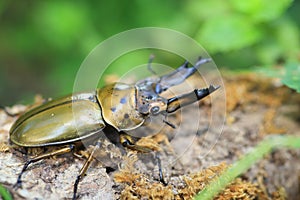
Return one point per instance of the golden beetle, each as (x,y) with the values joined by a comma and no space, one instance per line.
(117,107)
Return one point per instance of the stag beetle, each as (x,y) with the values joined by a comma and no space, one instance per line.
(120,106)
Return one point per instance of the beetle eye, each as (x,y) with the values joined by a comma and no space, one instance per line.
(154,110)
(149,97)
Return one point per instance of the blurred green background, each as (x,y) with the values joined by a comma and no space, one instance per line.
(43,43)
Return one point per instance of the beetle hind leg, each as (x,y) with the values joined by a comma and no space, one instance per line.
(40,157)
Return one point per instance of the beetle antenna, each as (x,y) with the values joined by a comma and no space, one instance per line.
(167,122)
(170,124)
(151,58)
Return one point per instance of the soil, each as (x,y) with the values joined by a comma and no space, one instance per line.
(209,137)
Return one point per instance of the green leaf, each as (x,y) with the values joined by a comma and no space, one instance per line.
(228,33)
(287,35)
(280,41)
(206,10)
(268,50)
(61,23)
(291,76)
(261,10)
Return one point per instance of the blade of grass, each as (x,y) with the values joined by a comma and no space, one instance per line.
(5,194)
(263,148)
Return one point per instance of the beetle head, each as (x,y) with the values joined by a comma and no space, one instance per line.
(147,100)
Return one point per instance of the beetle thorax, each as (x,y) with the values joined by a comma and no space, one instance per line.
(118,106)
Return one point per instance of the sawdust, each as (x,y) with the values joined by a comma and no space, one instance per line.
(138,186)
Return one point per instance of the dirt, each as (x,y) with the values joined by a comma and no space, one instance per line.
(191,155)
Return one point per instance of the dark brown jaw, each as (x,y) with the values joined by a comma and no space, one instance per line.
(175,103)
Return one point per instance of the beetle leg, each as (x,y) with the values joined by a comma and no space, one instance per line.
(40,157)
(149,64)
(128,141)
(8,113)
(161,175)
(84,168)
(179,75)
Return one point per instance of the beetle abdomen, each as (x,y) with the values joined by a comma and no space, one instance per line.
(65,120)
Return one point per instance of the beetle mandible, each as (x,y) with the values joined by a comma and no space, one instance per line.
(121,107)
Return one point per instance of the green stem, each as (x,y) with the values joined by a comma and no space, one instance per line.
(5,194)
(263,148)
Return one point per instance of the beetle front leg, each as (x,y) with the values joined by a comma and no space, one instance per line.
(160,172)
(40,157)
(179,75)
(128,141)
